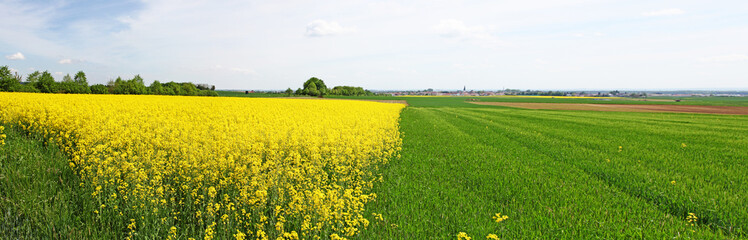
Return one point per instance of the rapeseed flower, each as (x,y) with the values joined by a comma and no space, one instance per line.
(221,165)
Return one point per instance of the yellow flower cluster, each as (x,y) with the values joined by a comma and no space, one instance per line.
(463,236)
(499,218)
(2,135)
(220,167)
(692,219)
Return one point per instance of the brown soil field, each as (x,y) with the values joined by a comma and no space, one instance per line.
(625,107)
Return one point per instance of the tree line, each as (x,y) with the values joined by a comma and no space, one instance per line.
(44,82)
(316,87)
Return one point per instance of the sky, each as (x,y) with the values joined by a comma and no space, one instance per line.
(386,45)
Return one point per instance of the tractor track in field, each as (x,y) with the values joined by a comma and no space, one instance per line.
(735,110)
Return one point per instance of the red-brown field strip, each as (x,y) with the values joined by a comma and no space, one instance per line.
(625,107)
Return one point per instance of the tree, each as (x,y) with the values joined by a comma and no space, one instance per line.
(349,91)
(67,78)
(99,89)
(157,88)
(65,87)
(33,77)
(12,83)
(311,89)
(116,86)
(138,79)
(81,82)
(132,86)
(68,85)
(289,92)
(174,88)
(80,78)
(7,81)
(137,86)
(189,89)
(46,83)
(315,87)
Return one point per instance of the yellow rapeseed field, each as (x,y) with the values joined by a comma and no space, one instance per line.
(201,167)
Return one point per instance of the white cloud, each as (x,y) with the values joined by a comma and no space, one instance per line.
(181,42)
(16,56)
(59,73)
(321,28)
(69,61)
(664,12)
(726,58)
(13,70)
(29,28)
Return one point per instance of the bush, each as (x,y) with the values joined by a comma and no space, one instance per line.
(72,87)
(99,89)
(24,88)
(350,91)
(132,86)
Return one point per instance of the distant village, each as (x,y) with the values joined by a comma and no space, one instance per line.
(616,93)
(517,92)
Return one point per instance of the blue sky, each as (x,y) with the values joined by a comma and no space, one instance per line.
(575,44)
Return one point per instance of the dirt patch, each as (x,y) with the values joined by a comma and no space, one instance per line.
(369,100)
(625,107)
(650,100)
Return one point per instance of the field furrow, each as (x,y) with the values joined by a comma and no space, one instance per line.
(706,190)
(457,165)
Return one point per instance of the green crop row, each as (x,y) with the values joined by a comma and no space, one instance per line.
(566,174)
